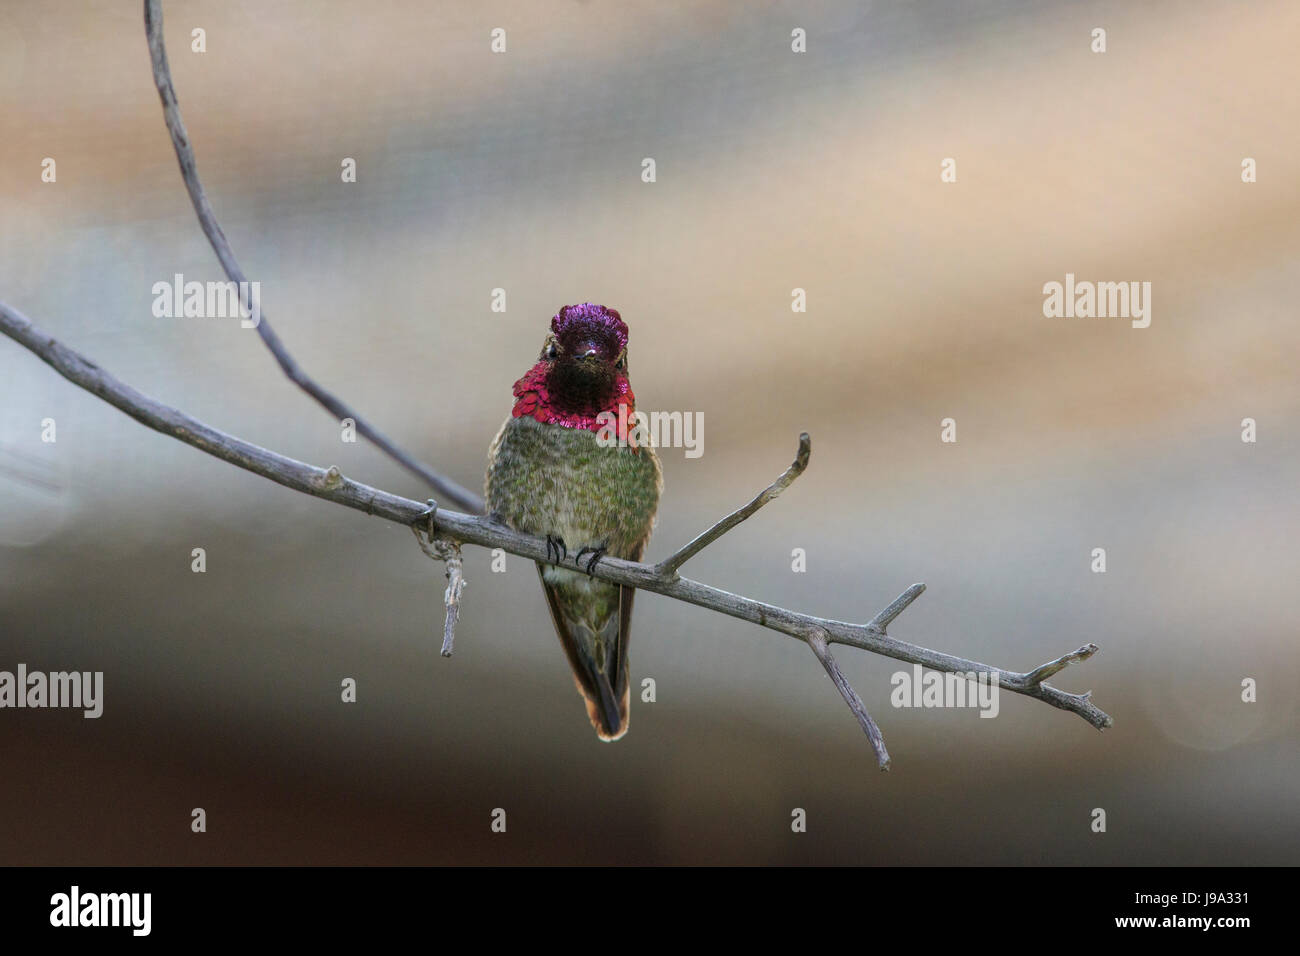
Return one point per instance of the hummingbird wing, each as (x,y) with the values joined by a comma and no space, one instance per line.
(592,619)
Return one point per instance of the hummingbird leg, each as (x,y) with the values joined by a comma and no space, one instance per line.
(556,545)
(596,554)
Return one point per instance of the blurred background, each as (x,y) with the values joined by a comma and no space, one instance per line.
(775,170)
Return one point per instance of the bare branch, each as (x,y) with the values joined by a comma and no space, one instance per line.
(668,567)
(447,489)
(331,485)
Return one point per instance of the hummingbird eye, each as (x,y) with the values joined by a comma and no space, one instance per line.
(619,363)
(552,351)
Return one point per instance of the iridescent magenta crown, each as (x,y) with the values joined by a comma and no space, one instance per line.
(589,319)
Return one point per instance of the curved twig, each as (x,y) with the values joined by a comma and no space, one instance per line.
(668,567)
(447,489)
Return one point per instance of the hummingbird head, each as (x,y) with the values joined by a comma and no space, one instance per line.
(582,370)
(587,337)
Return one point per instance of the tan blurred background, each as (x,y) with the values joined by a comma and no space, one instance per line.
(775,171)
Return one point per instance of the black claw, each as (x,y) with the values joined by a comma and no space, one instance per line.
(555,545)
(596,555)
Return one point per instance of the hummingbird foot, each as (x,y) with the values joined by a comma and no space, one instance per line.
(555,545)
(596,555)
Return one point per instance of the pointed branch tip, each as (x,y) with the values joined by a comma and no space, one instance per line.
(804,453)
(1044,671)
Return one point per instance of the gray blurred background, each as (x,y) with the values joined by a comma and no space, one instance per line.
(775,171)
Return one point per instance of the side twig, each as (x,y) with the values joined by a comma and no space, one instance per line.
(455,584)
(447,489)
(447,552)
(668,567)
(817,641)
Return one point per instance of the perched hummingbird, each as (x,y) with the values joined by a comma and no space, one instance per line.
(548,474)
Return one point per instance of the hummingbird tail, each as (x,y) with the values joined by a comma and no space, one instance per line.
(609,718)
(597,654)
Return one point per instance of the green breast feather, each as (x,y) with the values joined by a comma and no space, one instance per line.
(550,480)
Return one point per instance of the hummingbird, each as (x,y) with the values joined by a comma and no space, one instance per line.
(562,468)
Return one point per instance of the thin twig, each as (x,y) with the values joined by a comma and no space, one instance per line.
(668,567)
(896,607)
(333,486)
(451,598)
(1044,671)
(447,489)
(817,641)
(448,552)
